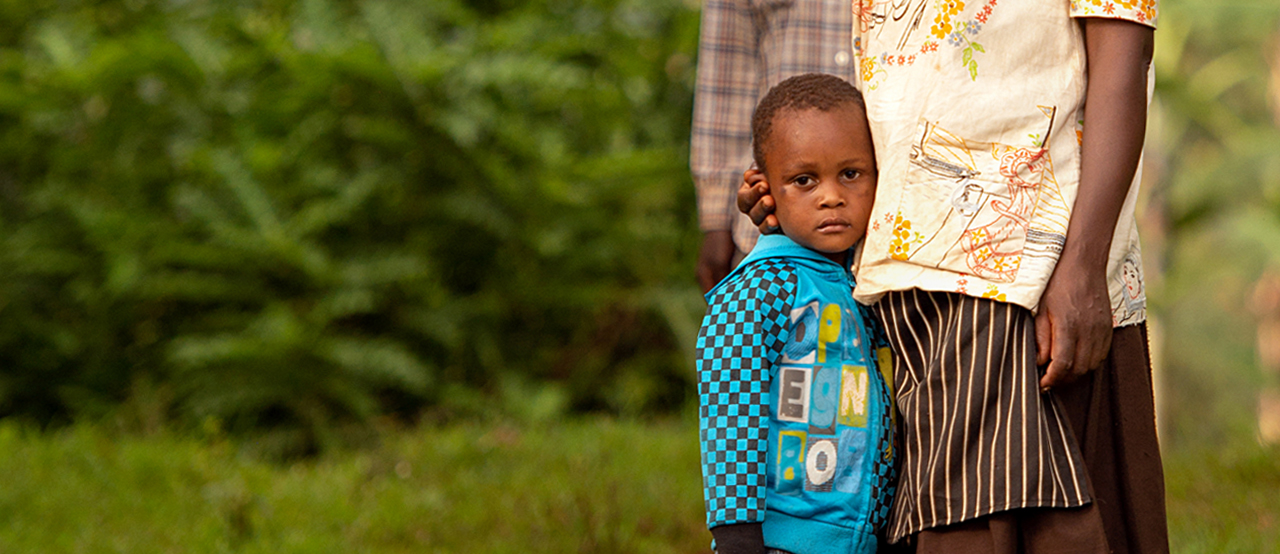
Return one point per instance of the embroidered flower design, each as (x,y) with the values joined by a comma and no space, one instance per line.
(863,11)
(901,228)
(941,29)
(983,253)
(868,68)
(898,250)
(903,239)
(984,13)
(994,293)
(1140,10)
(942,21)
(959,34)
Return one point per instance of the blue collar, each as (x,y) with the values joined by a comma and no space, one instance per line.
(781,246)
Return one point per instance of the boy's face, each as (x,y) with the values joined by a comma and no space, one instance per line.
(821,170)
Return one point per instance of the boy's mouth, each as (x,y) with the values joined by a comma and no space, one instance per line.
(833,225)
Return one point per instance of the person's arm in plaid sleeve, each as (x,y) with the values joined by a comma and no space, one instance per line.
(725,96)
(742,335)
(1073,325)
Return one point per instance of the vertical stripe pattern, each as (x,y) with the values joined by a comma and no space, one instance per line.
(977,435)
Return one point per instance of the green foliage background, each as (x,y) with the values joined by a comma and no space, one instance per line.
(287,217)
(1212,212)
(293,216)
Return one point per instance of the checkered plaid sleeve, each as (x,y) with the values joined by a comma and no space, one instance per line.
(874,329)
(885,466)
(742,334)
(728,85)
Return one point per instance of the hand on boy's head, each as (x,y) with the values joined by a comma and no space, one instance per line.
(755,201)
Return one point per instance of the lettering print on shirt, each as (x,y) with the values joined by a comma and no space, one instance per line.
(824,400)
(820,464)
(793,394)
(791,461)
(853,449)
(853,397)
(803,345)
(829,333)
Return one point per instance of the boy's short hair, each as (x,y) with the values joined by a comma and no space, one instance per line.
(818,91)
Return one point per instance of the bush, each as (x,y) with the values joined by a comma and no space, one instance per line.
(293,215)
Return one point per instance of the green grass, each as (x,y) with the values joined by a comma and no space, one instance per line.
(1224,500)
(592,485)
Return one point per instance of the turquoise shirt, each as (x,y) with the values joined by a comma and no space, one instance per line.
(795,406)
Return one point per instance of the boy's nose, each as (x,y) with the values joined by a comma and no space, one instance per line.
(829,196)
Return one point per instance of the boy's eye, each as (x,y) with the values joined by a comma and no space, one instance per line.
(850,174)
(803,181)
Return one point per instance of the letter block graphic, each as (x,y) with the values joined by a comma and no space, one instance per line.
(853,396)
(793,394)
(853,450)
(820,464)
(829,332)
(824,400)
(803,344)
(791,446)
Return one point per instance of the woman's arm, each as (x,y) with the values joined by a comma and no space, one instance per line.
(1073,326)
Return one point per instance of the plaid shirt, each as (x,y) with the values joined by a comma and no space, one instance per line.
(746,47)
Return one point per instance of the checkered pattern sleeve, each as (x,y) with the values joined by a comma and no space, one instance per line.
(885,466)
(742,335)
(874,329)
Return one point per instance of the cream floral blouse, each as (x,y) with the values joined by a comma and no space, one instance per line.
(976,109)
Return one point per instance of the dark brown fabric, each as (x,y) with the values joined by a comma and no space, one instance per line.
(739,538)
(1029,531)
(1112,414)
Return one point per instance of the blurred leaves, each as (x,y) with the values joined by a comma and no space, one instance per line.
(296,213)
(287,217)
(1213,218)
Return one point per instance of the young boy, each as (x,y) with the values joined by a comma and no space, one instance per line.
(1003,241)
(792,375)
(744,48)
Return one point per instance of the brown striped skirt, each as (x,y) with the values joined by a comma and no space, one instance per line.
(977,436)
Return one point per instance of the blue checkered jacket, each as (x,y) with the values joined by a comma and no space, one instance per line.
(796,417)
